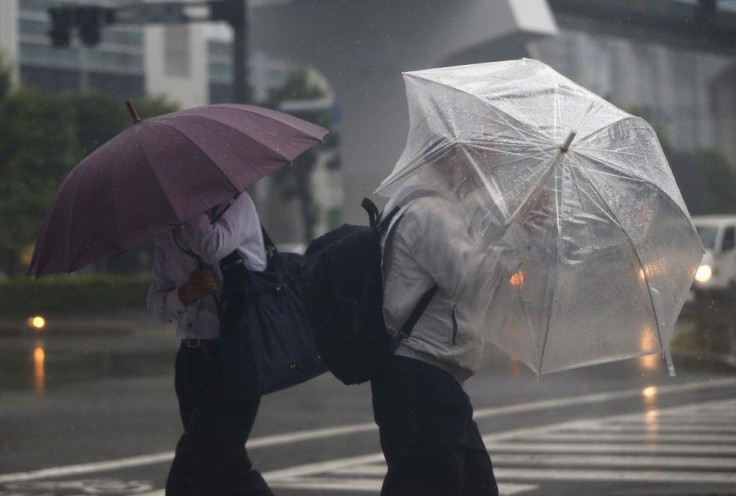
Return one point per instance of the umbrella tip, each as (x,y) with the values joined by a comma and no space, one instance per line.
(564,146)
(133,113)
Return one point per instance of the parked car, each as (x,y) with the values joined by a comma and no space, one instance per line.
(716,275)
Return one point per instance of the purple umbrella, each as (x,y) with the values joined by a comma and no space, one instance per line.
(159,173)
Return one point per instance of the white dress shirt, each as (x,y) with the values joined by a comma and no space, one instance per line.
(238,228)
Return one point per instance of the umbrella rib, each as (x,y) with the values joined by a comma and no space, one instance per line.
(254,138)
(637,177)
(119,242)
(488,104)
(158,179)
(67,239)
(557,259)
(638,258)
(72,265)
(222,172)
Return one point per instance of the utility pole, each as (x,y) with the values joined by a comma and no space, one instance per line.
(235,13)
(89,20)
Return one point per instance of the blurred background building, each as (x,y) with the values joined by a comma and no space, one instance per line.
(631,52)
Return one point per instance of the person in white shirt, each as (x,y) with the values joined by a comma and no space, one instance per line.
(429,439)
(210,458)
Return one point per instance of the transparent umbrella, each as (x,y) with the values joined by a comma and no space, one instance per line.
(605,274)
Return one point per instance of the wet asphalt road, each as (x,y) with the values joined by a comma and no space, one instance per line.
(92,413)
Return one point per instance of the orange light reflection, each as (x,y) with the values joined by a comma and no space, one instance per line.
(517,279)
(39,368)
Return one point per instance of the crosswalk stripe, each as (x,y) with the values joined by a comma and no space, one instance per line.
(616,475)
(651,436)
(681,449)
(641,427)
(665,462)
(358,484)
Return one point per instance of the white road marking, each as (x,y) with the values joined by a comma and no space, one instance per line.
(87,468)
(639,428)
(618,475)
(683,449)
(355,473)
(366,427)
(365,485)
(651,436)
(713,462)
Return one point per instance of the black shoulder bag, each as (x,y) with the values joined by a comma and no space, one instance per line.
(267,341)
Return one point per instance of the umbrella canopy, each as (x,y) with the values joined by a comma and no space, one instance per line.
(159,173)
(603,276)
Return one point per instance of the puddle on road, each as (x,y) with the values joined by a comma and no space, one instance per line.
(42,364)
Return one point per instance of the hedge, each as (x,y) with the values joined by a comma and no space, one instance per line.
(92,292)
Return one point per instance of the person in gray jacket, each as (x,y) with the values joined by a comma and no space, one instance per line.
(429,439)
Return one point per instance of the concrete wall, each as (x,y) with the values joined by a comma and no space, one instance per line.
(363,46)
(176,63)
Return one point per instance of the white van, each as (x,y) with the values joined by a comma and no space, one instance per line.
(717,271)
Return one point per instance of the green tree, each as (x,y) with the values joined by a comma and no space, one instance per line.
(707,180)
(99,117)
(5,81)
(42,136)
(38,146)
(294,182)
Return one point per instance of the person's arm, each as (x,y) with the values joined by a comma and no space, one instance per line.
(442,247)
(214,241)
(162,300)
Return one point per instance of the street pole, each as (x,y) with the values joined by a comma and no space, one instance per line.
(83,68)
(238,19)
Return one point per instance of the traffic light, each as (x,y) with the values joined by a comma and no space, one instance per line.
(232,11)
(61,25)
(88,21)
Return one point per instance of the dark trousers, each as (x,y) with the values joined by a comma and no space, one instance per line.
(431,443)
(210,458)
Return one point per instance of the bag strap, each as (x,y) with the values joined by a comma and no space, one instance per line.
(268,243)
(380,222)
(408,326)
(234,258)
(374,216)
(418,310)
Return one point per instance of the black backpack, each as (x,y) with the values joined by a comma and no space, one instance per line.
(343,295)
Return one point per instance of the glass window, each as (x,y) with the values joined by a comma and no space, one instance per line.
(729,239)
(707,236)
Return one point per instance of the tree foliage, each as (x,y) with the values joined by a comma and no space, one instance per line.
(706,178)
(294,182)
(37,149)
(42,136)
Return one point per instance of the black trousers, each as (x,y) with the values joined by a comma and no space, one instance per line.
(210,458)
(431,443)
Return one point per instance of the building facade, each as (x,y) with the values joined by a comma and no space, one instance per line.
(361,49)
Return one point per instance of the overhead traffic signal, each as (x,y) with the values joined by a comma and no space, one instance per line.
(87,19)
(62,20)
